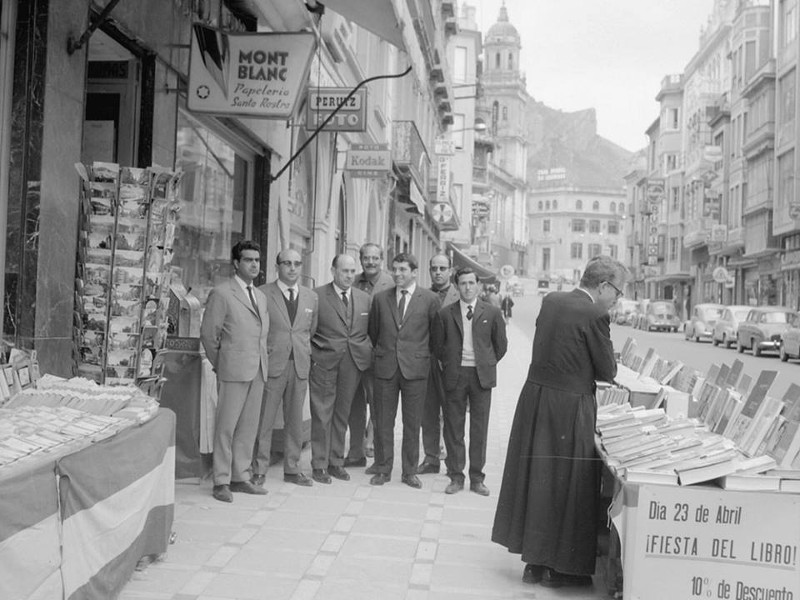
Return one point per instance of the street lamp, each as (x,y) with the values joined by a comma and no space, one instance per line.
(478,126)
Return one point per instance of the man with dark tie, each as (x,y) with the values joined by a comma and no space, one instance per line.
(441,278)
(234,336)
(293,320)
(340,352)
(372,279)
(470,339)
(400,321)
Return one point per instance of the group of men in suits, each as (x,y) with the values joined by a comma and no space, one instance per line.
(356,342)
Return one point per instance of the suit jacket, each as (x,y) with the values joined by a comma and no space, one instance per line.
(488,341)
(234,338)
(286,337)
(572,344)
(450,296)
(334,336)
(405,345)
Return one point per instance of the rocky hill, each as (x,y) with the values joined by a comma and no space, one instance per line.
(569,141)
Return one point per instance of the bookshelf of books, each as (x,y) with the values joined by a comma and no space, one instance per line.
(128,220)
(708,475)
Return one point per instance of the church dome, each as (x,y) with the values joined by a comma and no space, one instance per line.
(502,30)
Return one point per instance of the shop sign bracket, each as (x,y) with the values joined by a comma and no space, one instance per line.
(74,45)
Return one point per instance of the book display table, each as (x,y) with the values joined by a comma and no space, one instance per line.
(706,542)
(76,525)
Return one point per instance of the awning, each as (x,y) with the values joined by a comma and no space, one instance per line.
(461,260)
(377,16)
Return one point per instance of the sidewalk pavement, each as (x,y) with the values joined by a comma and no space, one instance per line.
(350,540)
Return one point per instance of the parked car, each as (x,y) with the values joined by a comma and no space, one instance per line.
(661,316)
(701,325)
(763,328)
(790,340)
(726,326)
(637,317)
(623,311)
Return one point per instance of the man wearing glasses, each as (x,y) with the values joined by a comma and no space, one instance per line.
(441,278)
(547,509)
(293,321)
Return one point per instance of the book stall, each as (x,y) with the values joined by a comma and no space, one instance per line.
(87,464)
(706,478)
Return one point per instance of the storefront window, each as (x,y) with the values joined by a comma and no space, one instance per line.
(214,211)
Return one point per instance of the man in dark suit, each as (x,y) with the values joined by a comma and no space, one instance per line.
(400,322)
(234,335)
(372,279)
(340,352)
(547,509)
(293,320)
(441,271)
(469,337)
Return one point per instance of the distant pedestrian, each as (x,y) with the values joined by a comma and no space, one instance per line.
(506,304)
(547,509)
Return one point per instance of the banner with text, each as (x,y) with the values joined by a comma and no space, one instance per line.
(713,544)
(352,116)
(248,74)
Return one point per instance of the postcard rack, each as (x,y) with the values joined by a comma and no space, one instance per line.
(127,229)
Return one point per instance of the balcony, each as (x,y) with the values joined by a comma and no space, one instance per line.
(480,174)
(409,153)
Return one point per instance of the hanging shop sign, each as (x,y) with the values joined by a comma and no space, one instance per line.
(352,116)
(445,216)
(368,160)
(655,190)
(249,74)
(443,180)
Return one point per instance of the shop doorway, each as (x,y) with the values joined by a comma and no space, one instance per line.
(113,95)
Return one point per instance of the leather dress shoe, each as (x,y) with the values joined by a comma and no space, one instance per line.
(320,476)
(222,493)
(355,462)
(245,487)
(298,479)
(533,573)
(411,481)
(554,579)
(379,479)
(455,486)
(258,479)
(426,468)
(479,488)
(372,469)
(338,473)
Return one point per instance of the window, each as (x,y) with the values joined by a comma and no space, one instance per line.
(540,205)
(578,225)
(215,203)
(497,60)
(613,227)
(622,208)
(545,259)
(578,204)
(673,248)
(546,226)
(673,119)
(510,61)
(675,197)
(613,251)
(547,204)
(613,207)
(786,106)
(595,206)
(555,204)
(576,250)
(505,113)
(785,195)
(670,161)
(595,250)
(788,10)
(594,226)
(460,66)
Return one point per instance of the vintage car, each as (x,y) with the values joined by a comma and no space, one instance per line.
(701,325)
(623,311)
(638,314)
(661,316)
(790,341)
(726,326)
(763,328)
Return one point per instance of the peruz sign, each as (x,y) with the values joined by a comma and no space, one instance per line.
(352,116)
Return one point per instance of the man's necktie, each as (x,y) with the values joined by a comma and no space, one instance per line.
(291,306)
(345,300)
(402,307)
(469,312)
(291,294)
(253,300)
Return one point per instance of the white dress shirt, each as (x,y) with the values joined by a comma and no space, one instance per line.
(467,350)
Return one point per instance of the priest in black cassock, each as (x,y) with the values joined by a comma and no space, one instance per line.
(547,509)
